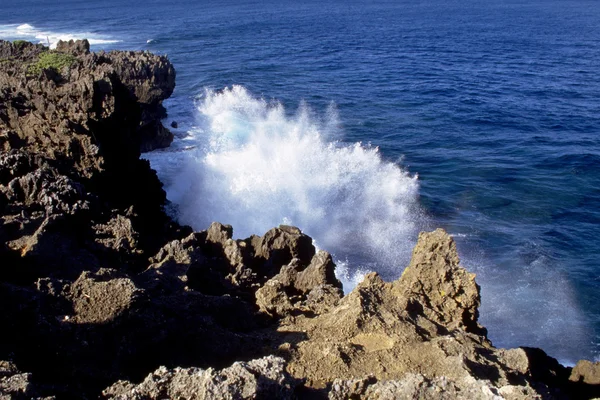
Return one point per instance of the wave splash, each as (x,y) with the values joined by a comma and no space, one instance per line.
(49,38)
(250,164)
(256,167)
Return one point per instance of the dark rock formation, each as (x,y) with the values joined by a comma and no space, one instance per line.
(72,137)
(17,385)
(99,288)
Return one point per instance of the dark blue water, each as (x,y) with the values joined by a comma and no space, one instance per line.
(494,104)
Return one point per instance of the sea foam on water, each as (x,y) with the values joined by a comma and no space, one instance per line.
(48,37)
(255,167)
(252,164)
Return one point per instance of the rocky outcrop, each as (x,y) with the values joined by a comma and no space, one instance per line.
(412,334)
(72,124)
(264,378)
(59,95)
(418,386)
(103,295)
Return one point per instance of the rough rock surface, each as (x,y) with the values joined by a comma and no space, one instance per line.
(17,385)
(98,285)
(418,386)
(424,323)
(264,378)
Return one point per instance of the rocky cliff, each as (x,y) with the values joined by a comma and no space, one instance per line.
(103,295)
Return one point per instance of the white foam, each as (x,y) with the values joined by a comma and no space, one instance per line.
(250,164)
(531,304)
(350,276)
(50,38)
(256,167)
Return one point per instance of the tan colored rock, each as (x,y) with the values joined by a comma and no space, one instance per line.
(300,289)
(280,245)
(273,300)
(218,233)
(321,271)
(263,378)
(586,372)
(418,386)
(435,279)
(101,297)
(423,346)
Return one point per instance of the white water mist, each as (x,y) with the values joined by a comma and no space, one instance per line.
(251,164)
(256,167)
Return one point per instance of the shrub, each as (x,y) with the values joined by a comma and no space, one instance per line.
(51,60)
(20,43)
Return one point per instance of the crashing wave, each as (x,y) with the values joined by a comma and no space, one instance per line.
(50,38)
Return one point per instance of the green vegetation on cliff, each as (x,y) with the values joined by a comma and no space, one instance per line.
(51,60)
(19,43)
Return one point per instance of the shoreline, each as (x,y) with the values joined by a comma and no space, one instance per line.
(101,287)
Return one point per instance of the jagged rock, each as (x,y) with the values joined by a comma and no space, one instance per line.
(91,121)
(434,279)
(417,386)
(280,245)
(118,235)
(391,330)
(75,47)
(263,378)
(154,136)
(273,299)
(84,306)
(15,384)
(299,288)
(44,188)
(14,164)
(323,298)
(321,271)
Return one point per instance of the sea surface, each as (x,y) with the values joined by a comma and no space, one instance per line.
(364,123)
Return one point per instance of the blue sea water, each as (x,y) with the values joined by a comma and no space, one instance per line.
(366,122)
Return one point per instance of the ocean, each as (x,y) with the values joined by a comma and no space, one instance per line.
(364,123)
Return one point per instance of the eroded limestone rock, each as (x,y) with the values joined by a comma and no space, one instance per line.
(263,378)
